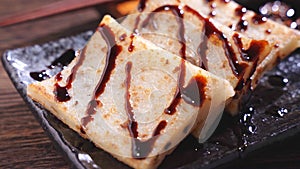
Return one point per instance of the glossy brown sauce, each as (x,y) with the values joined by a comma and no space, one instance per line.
(142,5)
(240,11)
(61,92)
(62,61)
(58,77)
(255,48)
(246,117)
(160,127)
(251,55)
(268,31)
(258,19)
(123,37)
(140,149)
(211,30)
(194,93)
(132,125)
(176,11)
(40,75)
(134,32)
(197,83)
(212,13)
(131,45)
(113,51)
(238,69)
(242,25)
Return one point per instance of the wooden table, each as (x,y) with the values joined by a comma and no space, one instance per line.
(23,143)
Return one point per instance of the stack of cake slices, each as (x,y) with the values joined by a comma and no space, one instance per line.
(171,68)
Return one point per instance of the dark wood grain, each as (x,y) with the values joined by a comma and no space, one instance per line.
(48,10)
(23,143)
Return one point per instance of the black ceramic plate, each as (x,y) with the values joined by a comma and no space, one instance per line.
(272,113)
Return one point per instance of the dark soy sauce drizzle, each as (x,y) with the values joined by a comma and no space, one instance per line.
(60,63)
(113,51)
(176,11)
(131,45)
(212,13)
(255,48)
(39,76)
(237,68)
(61,92)
(251,54)
(140,149)
(132,125)
(142,5)
(259,19)
(197,83)
(210,30)
(64,59)
(123,37)
(190,94)
(242,25)
(134,32)
(212,6)
(268,31)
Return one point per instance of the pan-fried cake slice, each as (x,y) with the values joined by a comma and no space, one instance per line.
(131,98)
(183,30)
(250,24)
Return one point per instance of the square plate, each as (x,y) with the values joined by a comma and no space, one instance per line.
(271,113)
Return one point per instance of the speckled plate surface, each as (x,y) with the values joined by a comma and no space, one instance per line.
(271,113)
